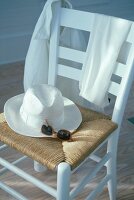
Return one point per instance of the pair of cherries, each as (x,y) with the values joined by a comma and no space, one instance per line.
(61,134)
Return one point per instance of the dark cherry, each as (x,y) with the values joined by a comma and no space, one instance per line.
(47,130)
(63,134)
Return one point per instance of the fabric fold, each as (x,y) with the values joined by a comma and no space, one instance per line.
(37,59)
(106,38)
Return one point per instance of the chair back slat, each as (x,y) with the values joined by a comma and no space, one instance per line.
(71,54)
(69,72)
(76,19)
(120,70)
(114,88)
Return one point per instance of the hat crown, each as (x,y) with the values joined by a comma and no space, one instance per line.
(31,103)
(43,100)
(42,104)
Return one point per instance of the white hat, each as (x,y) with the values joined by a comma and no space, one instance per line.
(27,112)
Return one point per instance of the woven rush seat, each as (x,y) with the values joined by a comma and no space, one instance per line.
(94,129)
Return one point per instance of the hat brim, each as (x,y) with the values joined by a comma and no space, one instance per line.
(72,117)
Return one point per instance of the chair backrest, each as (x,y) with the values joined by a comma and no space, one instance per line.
(83,21)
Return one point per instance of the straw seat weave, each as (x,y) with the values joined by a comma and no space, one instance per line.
(94,129)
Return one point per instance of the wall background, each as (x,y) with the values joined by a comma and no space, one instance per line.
(18,18)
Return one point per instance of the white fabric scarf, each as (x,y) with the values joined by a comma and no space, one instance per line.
(106,38)
(37,59)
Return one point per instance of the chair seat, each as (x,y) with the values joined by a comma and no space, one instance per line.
(94,129)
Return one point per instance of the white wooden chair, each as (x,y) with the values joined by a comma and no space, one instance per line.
(70,18)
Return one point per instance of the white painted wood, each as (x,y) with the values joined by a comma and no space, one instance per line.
(114,88)
(12,192)
(89,176)
(95,158)
(120,70)
(111,164)
(69,72)
(99,188)
(39,168)
(53,54)
(71,54)
(117,116)
(3,170)
(3,146)
(28,177)
(130,37)
(71,18)
(63,181)
(125,83)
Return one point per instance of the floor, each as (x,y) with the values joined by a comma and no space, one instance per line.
(11,83)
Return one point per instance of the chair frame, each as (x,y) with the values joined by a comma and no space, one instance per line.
(109,160)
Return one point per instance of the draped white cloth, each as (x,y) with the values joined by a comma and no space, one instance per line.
(106,38)
(37,59)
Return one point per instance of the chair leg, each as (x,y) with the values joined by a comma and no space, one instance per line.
(39,168)
(111,166)
(63,181)
(111,169)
